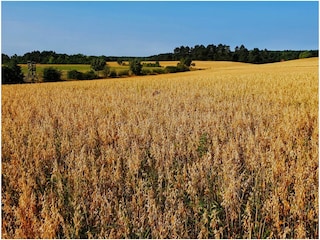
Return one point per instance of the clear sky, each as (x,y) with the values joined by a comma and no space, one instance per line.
(148,28)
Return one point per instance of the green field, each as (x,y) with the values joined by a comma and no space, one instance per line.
(64,68)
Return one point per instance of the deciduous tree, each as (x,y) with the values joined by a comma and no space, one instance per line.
(135,66)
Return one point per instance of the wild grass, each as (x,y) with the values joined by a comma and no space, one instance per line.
(227,152)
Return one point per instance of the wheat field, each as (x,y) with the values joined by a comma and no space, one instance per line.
(230,151)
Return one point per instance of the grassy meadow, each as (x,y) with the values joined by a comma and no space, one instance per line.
(65,68)
(226,152)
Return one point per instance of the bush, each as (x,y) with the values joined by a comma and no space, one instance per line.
(98,64)
(51,75)
(106,71)
(90,75)
(123,73)
(11,74)
(158,71)
(119,61)
(146,71)
(135,67)
(113,73)
(182,68)
(74,74)
(170,69)
(305,54)
(187,61)
(156,64)
(184,65)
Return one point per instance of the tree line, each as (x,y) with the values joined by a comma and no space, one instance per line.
(51,57)
(210,52)
(223,52)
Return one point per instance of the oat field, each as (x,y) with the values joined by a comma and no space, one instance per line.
(226,152)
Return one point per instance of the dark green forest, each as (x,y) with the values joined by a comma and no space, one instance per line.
(211,52)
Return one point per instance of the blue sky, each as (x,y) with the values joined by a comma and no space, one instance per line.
(148,28)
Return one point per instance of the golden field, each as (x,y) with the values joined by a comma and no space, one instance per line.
(226,152)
